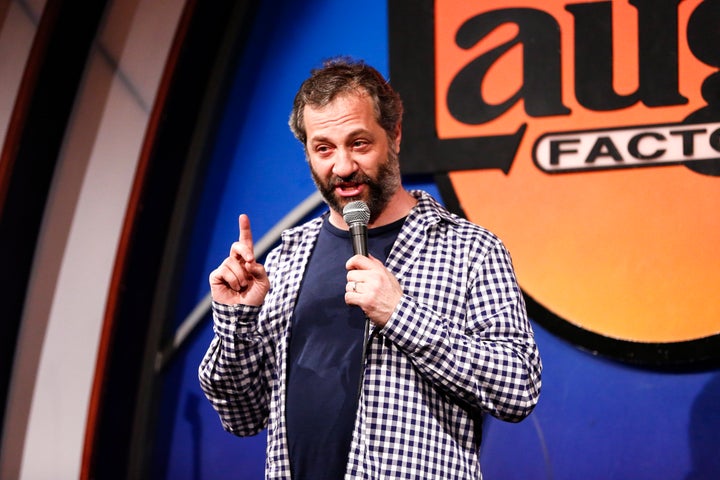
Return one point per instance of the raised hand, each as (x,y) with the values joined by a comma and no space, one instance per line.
(240,279)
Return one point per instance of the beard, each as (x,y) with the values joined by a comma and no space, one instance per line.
(378,191)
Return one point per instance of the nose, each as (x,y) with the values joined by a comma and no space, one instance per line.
(344,165)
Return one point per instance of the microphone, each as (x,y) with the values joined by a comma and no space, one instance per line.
(357,215)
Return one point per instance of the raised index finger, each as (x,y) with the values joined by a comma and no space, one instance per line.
(245,233)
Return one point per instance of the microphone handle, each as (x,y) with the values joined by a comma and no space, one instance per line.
(358,232)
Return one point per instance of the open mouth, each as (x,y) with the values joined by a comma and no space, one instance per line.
(348,189)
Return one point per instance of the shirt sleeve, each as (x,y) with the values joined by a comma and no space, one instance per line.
(485,357)
(233,373)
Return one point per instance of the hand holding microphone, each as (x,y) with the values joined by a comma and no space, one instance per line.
(370,285)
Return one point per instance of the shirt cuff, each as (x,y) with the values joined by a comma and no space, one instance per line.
(234,320)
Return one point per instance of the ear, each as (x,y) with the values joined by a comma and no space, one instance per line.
(398,137)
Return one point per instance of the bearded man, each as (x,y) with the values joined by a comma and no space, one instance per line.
(449,339)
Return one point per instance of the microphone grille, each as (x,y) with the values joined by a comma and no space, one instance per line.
(356,212)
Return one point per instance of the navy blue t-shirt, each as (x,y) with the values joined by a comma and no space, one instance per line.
(324,356)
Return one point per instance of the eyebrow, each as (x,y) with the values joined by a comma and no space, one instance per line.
(352,134)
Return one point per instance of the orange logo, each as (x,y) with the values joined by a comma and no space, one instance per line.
(587,136)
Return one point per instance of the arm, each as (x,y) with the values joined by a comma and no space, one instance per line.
(233,373)
(236,370)
(483,351)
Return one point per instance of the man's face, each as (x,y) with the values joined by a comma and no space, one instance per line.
(349,154)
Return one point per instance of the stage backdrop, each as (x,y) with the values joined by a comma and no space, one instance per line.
(587,136)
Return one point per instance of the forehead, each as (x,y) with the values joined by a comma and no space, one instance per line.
(351,110)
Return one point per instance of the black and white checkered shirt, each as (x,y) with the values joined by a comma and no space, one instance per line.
(457,346)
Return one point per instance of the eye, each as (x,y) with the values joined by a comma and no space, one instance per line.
(360,144)
(323,149)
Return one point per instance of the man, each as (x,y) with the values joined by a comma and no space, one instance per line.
(450,340)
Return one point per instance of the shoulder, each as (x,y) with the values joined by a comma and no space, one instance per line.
(434,215)
(298,232)
(295,240)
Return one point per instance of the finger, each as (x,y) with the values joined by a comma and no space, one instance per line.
(242,252)
(352,298)
(352,287)
(241,269)
(245,232)
(359,262)
(359,277)
(225,275)
(255,271)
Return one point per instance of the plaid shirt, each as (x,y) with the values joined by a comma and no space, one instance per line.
(457,346)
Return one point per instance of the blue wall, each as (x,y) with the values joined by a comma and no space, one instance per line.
(596,418)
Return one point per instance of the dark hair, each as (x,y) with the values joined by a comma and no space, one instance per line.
(342,75)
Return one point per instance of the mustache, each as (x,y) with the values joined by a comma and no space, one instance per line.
(356,177)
